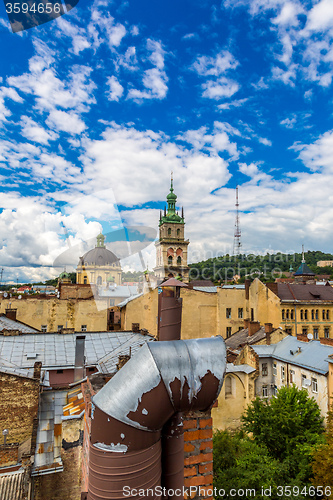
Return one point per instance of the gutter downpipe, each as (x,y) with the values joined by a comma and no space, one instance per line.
(129,412)
(169,328)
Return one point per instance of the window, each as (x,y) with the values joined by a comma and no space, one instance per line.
(304,381)
(111,303)
(228,312)
(292,376)
(317,314)
(99,280)
(326,332)
(85,281)
(240,313)
(327,314)
(60,371)
(275,390)
(228,386)
(292,314)
(314,385)
(228,331)
(83,328)
(170,260)
(179,260)
(264,391)
(169,231)
(283,372)
(324,314)
(178,232)
(43,328)
(306,314)
(264,370)
(274,369)
(252,314)
(304,330)
(315,333)
(302,314)
(312,314)
(287,314)
(289,331)
(60,327)
(283,314)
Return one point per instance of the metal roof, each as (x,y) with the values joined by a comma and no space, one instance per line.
(121,291)
(209,289)
(304,292)
(239,287)
(126,301)
(11,369)
(11,485)
(108,364)
(56,350)
(311,355)
(231,368)
(11,324)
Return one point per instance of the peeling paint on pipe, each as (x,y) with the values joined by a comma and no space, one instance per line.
(163,378)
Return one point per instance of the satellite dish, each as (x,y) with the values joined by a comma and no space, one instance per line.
(310,336)
(5,295)
(20,297)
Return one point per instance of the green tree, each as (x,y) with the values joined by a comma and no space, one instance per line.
(322,465)
(289,425)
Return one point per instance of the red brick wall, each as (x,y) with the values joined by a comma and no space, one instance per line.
(8,454)
(198,454)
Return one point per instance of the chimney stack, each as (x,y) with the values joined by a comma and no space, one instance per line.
(11,313)
(79,370)
(37,370)
(253,327)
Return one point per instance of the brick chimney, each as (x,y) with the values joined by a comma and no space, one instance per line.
(37,369)
(253,327)
(324,340)
(246,322)
(247,289)
(268,327)
(302,337)
(11,313)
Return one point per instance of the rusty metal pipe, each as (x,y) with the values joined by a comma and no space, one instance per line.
(162,379)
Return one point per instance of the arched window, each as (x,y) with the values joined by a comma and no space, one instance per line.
(178,232)
(170,260)
(179,261)
(283,315)
(85,280)
(324,314)
(327,314)
(169,231)
(312,314)
(317,314)
(306,314)
(228,386)
(287,314)
(99,280)
(302,315)
(292,314)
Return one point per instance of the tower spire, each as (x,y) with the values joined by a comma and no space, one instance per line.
(303,258)
(237,233)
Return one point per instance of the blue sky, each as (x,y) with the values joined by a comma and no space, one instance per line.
(100,105)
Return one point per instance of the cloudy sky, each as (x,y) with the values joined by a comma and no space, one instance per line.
(99,106)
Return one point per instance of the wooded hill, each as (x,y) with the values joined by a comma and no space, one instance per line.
(267,267)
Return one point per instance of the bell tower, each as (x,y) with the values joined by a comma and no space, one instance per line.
(171,249)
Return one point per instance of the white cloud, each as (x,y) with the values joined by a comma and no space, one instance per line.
(264,141)
(65,121)
(289,122)
(35,132)
(215,66)
(116,89)
(221,88)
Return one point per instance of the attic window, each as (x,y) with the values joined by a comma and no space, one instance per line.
(315,295)
(31,355)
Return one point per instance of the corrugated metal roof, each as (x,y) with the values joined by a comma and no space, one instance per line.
(239,287)
(209,289)
(11,485)
(11,324)
(108,364)
(56,350)
(312,355)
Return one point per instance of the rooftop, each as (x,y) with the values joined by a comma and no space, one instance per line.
(310,355)
(306,293)
(12,324)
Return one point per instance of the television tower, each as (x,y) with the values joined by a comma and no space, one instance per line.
(237,234)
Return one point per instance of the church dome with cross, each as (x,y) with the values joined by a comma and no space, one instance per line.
(99,266)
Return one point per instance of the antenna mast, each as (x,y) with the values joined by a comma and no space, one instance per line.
(237,234)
